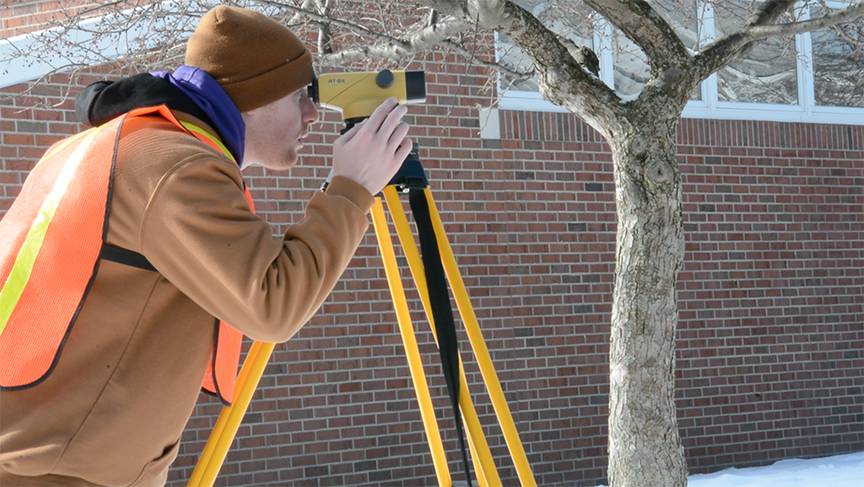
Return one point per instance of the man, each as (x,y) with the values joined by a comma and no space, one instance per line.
(182,250)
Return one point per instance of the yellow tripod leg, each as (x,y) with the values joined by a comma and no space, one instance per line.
(412,352)
(229,420)
(517,452)
(219,427)
(484,466)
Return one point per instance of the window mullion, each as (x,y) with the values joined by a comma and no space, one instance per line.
(707,36)
(806,84)
(603,43)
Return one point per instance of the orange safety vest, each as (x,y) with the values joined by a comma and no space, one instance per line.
(50,242)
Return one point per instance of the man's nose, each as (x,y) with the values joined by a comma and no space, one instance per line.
(310,111)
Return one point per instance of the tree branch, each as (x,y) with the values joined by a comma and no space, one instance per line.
(298,14)
(768,11)
(458,8)
(389,47)
(847,14)
(645,27)
(737,44)
(561,78)
(314,16)
(538,42)
(513,74)
(325,36)
(584,56)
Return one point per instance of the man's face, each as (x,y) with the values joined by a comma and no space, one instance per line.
(275,132)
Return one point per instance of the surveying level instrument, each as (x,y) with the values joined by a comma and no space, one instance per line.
(429,273)
(357,95)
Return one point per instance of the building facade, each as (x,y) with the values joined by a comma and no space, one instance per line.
(770,340)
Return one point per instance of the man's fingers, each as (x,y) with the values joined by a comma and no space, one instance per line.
(398,135)
(380,114)
(373,150)
(394,118)
(404,149)
(352,132)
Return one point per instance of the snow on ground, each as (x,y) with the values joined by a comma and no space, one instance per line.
(837,471)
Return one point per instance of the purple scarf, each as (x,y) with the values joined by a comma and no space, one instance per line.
(205,92)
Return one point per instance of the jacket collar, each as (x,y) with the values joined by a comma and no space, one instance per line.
(105,100)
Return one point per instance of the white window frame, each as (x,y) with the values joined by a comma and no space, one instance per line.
(709,107)
(16,69)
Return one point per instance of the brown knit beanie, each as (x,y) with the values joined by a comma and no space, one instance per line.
(256,59)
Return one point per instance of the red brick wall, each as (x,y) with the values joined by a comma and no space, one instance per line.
(772,290)
(23,16)
(771,297)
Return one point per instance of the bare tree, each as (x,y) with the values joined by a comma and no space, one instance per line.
(639,126)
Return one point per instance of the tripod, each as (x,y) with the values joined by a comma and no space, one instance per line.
(410,179)
(487,474)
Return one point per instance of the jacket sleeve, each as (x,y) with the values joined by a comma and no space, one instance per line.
(200,234)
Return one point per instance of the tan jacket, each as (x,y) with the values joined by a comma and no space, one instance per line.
(113,410)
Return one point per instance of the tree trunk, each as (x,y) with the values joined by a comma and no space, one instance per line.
(644,446)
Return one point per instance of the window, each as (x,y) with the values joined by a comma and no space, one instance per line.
(767,74)
(837,65)
(809,78)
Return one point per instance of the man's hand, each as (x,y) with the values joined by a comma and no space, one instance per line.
(374,149)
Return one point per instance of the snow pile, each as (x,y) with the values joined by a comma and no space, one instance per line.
(836,471)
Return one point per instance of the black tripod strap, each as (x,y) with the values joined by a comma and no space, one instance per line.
(442,312)
(126,257)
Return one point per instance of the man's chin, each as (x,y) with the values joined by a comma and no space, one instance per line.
(281,165)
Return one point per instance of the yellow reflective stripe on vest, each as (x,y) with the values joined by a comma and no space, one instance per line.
(222,371)
(63,143)
(21,269)
(198,130)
